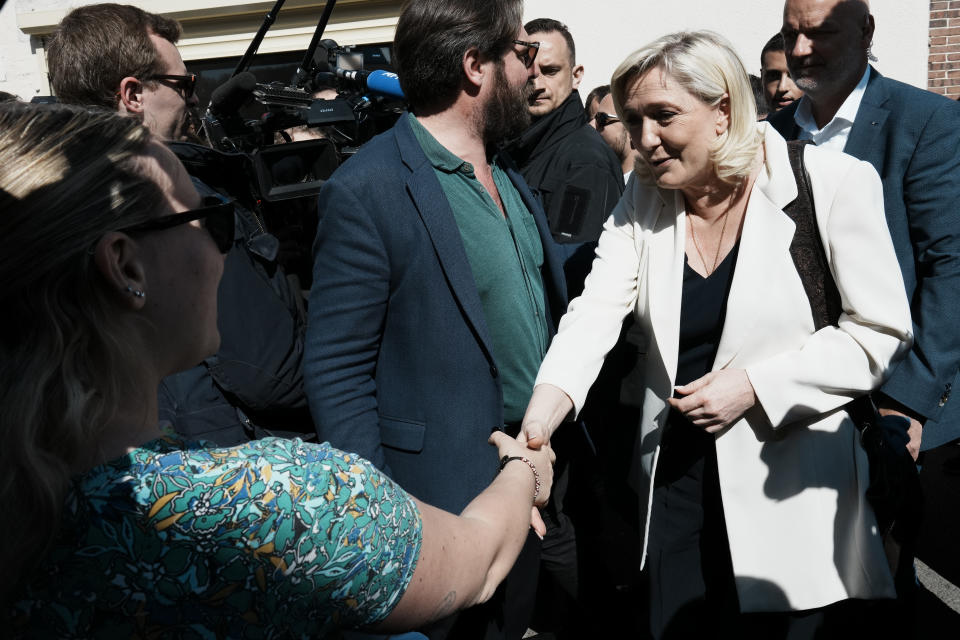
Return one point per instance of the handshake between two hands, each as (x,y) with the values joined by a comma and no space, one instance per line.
(712,402)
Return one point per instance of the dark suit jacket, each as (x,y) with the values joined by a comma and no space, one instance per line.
(399,366)
(912,138)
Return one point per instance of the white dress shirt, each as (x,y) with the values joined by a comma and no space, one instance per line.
(835,133)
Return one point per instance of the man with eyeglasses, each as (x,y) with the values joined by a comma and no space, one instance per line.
(125,59)
(604,119)
(436,288)
(142,75)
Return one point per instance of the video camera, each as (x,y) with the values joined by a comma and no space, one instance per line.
(332,100)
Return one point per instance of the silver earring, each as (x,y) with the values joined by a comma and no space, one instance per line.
(136,292)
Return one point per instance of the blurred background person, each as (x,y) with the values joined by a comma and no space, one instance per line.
(110,261)
(591,103)
(605,120)
(754,476)
(779,89)
(759,97)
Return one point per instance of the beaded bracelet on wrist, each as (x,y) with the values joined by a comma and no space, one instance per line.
(536,475)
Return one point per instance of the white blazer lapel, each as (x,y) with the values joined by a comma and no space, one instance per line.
(665,277)
(767,234)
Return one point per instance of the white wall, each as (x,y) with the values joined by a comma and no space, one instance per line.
(19,71)
(606,31)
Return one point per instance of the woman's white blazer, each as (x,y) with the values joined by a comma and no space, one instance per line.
(792,472)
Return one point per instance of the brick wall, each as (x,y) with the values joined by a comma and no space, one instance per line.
(943,65)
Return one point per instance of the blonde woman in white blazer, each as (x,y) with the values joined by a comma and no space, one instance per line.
(781,479)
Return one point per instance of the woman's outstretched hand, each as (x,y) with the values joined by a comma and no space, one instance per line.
(717,400)
(542,458)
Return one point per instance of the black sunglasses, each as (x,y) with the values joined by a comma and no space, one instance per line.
(530,54)
(215,215)
(185,83)
(603,119)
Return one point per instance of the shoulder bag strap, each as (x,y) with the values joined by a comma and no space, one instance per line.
(807,247)
(810,259)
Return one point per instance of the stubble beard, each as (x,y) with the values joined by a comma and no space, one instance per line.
(831,78)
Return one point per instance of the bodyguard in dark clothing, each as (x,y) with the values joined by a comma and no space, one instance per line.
(563,157)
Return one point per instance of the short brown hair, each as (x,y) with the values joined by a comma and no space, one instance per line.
(97,46)
(433,35)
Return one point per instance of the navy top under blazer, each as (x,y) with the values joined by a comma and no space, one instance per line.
(912,138)
(399,365)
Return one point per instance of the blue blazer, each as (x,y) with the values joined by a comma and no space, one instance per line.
(912,138)
(399,365)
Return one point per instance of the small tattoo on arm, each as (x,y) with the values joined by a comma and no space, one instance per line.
(445,607)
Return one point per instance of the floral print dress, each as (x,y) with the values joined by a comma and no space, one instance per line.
(274,538)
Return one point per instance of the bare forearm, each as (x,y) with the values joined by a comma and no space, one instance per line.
(463,558)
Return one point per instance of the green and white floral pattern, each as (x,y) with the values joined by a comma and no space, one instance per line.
(271,539)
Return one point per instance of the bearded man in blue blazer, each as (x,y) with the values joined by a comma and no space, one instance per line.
(436,286)
(912,138)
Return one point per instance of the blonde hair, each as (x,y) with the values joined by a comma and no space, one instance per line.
(704,64)
(66,178)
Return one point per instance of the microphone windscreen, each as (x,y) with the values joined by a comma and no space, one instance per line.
(384,82)
(229,96)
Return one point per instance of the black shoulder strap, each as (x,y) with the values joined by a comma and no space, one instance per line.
(811,262)
(806,249)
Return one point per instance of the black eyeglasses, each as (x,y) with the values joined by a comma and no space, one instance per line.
(529,55)
(215,215)
(185,83)
(603,119)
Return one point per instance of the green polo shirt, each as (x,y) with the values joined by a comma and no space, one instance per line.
(505,256)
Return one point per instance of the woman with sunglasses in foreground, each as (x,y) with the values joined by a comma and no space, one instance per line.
(115,527)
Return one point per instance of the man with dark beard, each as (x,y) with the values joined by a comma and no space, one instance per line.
(436,289)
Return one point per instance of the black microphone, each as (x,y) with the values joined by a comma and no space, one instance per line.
(227,99)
